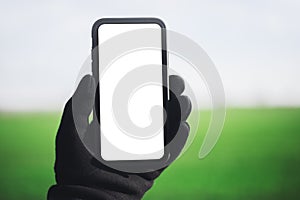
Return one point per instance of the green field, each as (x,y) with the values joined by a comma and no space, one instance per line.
(257,157)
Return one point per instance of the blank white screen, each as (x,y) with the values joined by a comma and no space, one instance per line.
(115,144)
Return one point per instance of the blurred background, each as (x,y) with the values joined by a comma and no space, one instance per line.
(255,46)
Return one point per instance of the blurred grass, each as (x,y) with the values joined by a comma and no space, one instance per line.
(257,157)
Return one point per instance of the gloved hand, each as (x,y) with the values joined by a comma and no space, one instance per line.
(80,176)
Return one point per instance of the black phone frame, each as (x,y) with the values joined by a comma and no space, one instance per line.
(95,71)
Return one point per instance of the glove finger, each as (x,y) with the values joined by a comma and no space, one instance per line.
(185,106)
(84,95)
(176,84)
(83,102)
(177,144)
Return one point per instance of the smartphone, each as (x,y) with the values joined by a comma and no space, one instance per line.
(122,58)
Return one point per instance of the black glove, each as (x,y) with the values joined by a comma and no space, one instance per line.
(80,176)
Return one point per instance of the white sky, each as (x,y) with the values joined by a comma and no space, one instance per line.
(255,46)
